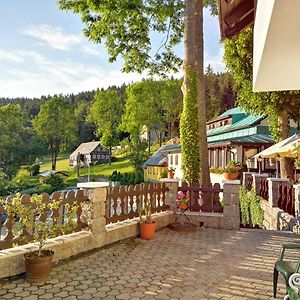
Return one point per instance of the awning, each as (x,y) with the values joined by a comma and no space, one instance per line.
(251,140)
(284,148)
(235,15)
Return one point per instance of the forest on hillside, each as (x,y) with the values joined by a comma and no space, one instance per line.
(52,124)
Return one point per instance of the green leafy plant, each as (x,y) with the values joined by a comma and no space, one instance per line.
(244,205)
(233,167)
(256,212)
(251,212)
(146,211)
(55,181)
(216,170)
(34,219)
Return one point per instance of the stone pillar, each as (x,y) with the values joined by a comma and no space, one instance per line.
(171,195)
(256,181)
(297,200)
(273,190)
(96,193)
(231,210)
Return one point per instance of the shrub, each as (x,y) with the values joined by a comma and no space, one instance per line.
(256,212)
(34,169)
(244,205)
(43,188)
(56,182)
(216,170)
(23,183)
(127,178)
(7,187)
(251,212)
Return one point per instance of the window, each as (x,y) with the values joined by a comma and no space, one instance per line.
(171,159)
(176,160)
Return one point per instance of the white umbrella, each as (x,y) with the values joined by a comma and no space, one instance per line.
(283,148)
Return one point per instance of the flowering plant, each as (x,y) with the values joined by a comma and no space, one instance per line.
(233,167)
(181,198)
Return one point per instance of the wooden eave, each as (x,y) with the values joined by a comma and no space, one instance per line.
(235,16)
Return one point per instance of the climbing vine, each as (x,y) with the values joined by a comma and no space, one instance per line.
(256,212)
(244,205)
(189,129)
(251,212)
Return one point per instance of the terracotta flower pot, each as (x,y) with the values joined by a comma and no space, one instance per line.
(231,176)
(170,174)
(147,230)
(38,268)
(183,206)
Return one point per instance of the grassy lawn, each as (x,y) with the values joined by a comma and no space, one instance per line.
(104,170)
(62,163)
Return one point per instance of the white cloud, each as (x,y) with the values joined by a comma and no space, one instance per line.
(91,50)
(8,55)
(53,36)
(48,77)
(216,61)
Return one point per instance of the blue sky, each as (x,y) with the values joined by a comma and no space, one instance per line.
(43,52)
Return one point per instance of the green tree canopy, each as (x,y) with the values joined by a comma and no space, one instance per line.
(129,27)
(56,124)
(11,130)
(279,106)
(106,113)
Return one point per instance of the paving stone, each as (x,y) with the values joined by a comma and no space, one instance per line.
(205,264)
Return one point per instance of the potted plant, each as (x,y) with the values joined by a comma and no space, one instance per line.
(39,221)
(171,173)
(182,201)
(232,169)
(147,226)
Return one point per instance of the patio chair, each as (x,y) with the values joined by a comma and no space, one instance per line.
(287,269)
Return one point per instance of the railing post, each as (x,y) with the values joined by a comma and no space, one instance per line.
(171,195)
(231,209)
(97,193)
(256,181)
(245,176)
(297,200)
(273,190)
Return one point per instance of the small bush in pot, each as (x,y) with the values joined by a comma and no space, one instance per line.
(232,170)
(38,221)
(147,226)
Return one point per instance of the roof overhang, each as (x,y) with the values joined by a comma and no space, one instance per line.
(276,59)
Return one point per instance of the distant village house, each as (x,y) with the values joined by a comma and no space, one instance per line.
(89,154)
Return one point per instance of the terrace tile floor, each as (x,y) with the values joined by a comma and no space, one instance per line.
(205,264)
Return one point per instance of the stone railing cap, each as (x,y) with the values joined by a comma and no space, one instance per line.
(260,175)
(224,181)
(277,179)
(296,186)
(169,180)
(92,185)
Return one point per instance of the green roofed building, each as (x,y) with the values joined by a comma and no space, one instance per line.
(237,135)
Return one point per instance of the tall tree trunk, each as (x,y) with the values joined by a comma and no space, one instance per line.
(189,122)
(53,161)
(199,53)
(286,165)
(109,162)
(54,158)
(149,142)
